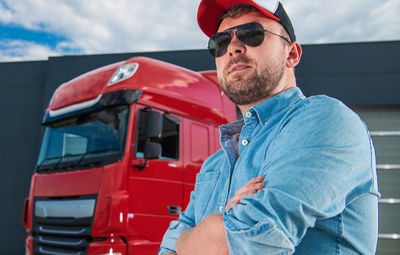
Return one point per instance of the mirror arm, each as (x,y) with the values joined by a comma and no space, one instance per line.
(141,167)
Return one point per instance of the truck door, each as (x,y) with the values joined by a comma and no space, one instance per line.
(201,140)
(156,190)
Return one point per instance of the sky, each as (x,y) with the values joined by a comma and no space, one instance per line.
(38,29)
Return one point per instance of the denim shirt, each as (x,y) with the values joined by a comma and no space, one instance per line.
(320,195)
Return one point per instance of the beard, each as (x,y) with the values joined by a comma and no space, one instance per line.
(254,87)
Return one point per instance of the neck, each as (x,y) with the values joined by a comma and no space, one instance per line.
(288,83)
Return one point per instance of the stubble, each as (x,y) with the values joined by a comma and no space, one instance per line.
(255,87)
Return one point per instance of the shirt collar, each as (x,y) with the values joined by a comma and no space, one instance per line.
(268,108)
(264,111)
(230,129)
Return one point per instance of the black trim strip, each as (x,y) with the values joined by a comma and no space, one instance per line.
(114,98)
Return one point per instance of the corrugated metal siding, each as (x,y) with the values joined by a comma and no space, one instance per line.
(384,126)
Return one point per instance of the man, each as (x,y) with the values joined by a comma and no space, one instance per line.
(296,175)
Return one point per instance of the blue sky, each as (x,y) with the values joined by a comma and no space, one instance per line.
(37,29)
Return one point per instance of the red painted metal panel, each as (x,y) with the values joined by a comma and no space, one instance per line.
(68,183)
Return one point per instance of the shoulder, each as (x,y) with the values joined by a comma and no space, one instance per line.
(324,105)
(324,119)
(325,110)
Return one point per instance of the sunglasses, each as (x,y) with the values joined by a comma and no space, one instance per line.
(250,34)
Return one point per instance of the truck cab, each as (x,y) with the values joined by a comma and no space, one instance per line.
(119,157)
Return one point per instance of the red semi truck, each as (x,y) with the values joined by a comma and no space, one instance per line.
(119,157)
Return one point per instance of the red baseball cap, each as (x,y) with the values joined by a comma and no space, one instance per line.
(210,11)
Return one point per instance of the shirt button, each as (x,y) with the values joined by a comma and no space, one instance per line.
(245,142)
(221,208)
(248,114)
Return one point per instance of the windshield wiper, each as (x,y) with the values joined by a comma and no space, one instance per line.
(42,167)
(94,161)
(55,162)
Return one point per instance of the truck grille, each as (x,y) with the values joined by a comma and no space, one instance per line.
(62,227)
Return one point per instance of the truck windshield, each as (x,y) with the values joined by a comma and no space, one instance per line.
(84,141)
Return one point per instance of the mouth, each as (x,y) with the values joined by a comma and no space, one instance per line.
(238,67)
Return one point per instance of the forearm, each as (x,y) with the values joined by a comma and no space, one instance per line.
(208,237)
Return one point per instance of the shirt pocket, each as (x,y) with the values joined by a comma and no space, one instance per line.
(204,189)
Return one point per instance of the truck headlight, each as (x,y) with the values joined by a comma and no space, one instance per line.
(123,72)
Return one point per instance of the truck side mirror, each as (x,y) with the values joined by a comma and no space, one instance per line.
(153,132)
(154,123)
(152,150)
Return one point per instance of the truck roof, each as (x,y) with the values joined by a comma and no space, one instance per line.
(162,85)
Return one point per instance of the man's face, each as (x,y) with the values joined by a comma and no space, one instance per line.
(247,74)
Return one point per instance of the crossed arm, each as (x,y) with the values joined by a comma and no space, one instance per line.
(209,235)
(311,176)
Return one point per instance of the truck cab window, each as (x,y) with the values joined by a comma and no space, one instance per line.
(169,138)
(80,141)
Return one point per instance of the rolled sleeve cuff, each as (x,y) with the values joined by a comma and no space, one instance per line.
(262,238)
(174,231)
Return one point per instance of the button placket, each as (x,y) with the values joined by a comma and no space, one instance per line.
(248,115)
(247,130)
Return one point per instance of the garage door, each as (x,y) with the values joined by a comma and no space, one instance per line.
(384,126)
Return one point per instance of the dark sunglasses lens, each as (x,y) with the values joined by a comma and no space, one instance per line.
(218,44)
(251,34)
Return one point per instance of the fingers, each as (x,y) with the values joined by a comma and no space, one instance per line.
(252,186)
(249,189)
(232,201)
(256,179)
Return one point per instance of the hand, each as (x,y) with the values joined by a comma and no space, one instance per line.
(250,188)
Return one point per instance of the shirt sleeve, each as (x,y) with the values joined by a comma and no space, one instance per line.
(191,217)
(176,228)
(321,159)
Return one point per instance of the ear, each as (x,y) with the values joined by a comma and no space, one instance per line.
(294,55)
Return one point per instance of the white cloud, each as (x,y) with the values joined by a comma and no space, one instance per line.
(344,21)
(385,20)
(17,50)
(111,26)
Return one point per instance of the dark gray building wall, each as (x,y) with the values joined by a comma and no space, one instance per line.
(21,96)
(356,73)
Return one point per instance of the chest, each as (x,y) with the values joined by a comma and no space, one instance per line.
(229,171)
(253,147)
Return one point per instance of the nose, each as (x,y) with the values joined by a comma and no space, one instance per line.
(235,46)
